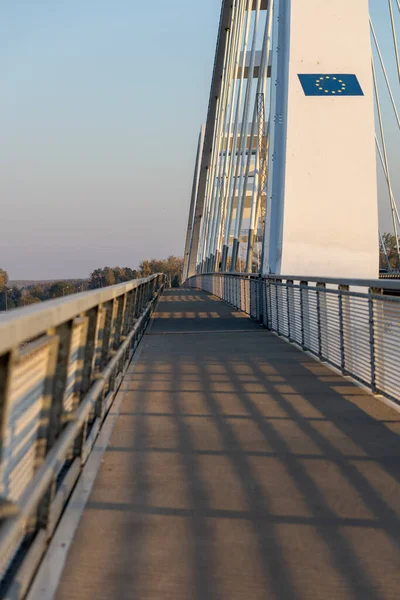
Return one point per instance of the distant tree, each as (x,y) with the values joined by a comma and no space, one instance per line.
(38,291)
(172,267)
(3,278)
(27,299)
(61,288)
(130,274)
(15,296)
(109,277)
(96,279)
(389,240)
(145,269)
(119,274)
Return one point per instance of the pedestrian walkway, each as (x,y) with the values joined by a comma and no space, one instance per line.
(239,468)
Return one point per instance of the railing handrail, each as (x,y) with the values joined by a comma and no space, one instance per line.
(368,283)
(33,493)
(61,365)
(355,331)
(26,323)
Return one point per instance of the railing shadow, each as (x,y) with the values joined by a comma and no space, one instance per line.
(246,469)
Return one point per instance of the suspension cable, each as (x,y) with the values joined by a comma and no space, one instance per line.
(385,72)
(396,48)
(392,200)
(378,104)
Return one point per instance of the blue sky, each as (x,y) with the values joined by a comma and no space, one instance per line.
(101,105)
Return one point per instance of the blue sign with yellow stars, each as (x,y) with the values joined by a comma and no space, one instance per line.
(330,85)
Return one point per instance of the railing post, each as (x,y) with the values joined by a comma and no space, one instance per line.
(277,306)
(320,286)
(303,311)
(269,307)
(263,301)
(139,300)
(289,300)
(342,288)
(259,298)
(371,291)
(53,413)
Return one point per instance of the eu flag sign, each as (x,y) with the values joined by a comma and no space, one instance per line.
(330,85)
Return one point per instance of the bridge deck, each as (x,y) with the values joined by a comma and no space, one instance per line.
(239,468)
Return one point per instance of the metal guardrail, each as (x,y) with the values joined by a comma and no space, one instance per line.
(390,275)
(61,363)
(353,325)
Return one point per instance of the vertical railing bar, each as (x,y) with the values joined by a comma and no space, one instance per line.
(120,319)
(372,339)
(342,288)
(270,321)
(319,323)
(289,283)
(302,283)
(89,361)
(277,307)
(6,369)
(55,415)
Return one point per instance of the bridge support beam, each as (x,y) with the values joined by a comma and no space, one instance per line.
(224,257)
(322,215)
(193,201)
(235,252)
(250,250)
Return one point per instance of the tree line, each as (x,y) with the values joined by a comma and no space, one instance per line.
(13,296)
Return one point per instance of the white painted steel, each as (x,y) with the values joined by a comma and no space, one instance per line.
(246,144)
(227,126)
(215,245)
(261,88)
(237,135)
(321,155)
(233,126)
(193,202)
(213,182)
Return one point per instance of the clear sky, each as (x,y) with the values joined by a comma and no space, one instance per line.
(101,103)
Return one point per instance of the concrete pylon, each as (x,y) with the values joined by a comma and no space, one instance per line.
(322,207)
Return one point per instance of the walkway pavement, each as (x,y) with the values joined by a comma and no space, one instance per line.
(239,468)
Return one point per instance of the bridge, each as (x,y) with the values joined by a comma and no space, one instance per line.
(237,437)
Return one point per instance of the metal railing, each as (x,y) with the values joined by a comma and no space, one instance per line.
(61,363)
(353,325)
